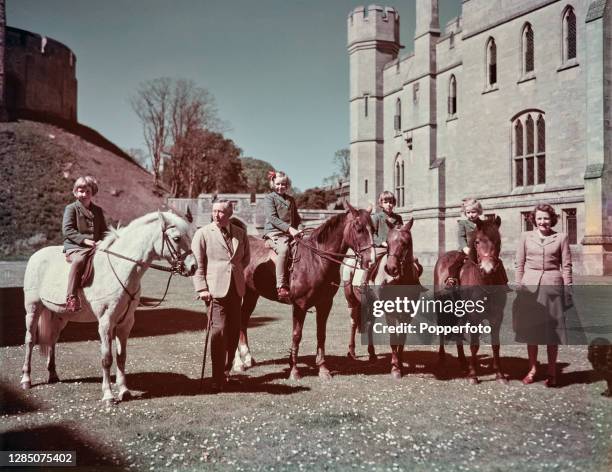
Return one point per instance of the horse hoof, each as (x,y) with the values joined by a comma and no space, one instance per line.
(249,361)
(396,374)
(351,355)
(238,367)
(473,381)
(295,375)
(372,358)
(53,379)
(27,385)
(125,396)
(324,374)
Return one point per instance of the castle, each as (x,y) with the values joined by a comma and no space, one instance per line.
(510,104)
(37,75)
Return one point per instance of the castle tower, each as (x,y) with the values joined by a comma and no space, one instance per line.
(427,33)
(3,111)
(429,193)
(597,241)
(373,41)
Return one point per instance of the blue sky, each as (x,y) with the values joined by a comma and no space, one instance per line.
(277,68)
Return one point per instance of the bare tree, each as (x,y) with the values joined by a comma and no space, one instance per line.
(172,111)
(151,103)
(342,159)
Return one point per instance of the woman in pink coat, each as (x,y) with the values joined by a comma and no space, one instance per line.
(543,268)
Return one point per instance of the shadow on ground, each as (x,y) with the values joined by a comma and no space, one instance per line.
(170,384)
(61,437)
(149,321)
(426,363)
(13,401)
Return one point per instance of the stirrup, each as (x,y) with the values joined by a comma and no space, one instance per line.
(73,304)
(451,282)
(283,294)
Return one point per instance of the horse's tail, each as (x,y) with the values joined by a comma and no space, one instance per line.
(44,337)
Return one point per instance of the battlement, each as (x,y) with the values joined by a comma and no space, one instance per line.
(373,23)
(35,44)
(453,26)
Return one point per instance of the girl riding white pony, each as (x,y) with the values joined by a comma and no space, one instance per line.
(119,263)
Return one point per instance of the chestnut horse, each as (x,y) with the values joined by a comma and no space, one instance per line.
(484,276)
(315,279)
(395,267)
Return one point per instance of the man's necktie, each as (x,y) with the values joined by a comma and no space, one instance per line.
(228,240)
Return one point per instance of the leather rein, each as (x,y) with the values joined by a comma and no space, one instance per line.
(177,265)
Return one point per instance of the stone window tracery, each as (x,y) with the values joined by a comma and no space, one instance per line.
(529,146)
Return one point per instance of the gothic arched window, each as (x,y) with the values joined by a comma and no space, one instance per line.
(569,34)
(527,49)
(491,62)
(399,180)
(397,122)
(529,136)
(452,95)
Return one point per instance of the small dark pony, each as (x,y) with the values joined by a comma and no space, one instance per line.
(395,267)
(484,276)
(315,278)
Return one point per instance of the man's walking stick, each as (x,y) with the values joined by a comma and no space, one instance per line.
(209,315)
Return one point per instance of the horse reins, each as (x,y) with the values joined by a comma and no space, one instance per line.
(178,265)
(334,257)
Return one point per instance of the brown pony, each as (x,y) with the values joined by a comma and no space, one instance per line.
(315,279)
(395,267)
(484,275)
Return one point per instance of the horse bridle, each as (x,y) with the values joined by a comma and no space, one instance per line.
(401,259)
(177,262)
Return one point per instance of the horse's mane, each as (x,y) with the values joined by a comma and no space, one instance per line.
(114,232)
(323,232)
(491,230)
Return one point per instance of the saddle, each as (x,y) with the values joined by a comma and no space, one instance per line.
(55,282)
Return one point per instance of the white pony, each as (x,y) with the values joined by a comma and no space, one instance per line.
(120,261)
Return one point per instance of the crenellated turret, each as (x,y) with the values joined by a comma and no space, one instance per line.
(373,41)
(374,23)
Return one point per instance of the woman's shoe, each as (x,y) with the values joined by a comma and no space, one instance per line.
(530,377)
(551,381)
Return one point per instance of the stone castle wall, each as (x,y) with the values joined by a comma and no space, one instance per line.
(39,76)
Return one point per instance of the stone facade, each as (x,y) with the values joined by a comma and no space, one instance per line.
(247,208)
(38,76)
(503,105)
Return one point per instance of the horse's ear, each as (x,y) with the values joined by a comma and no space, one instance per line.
(479,223)
(162,219)
(350,208)
(370,208)
(498,221)
(188,215)
(408,225)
